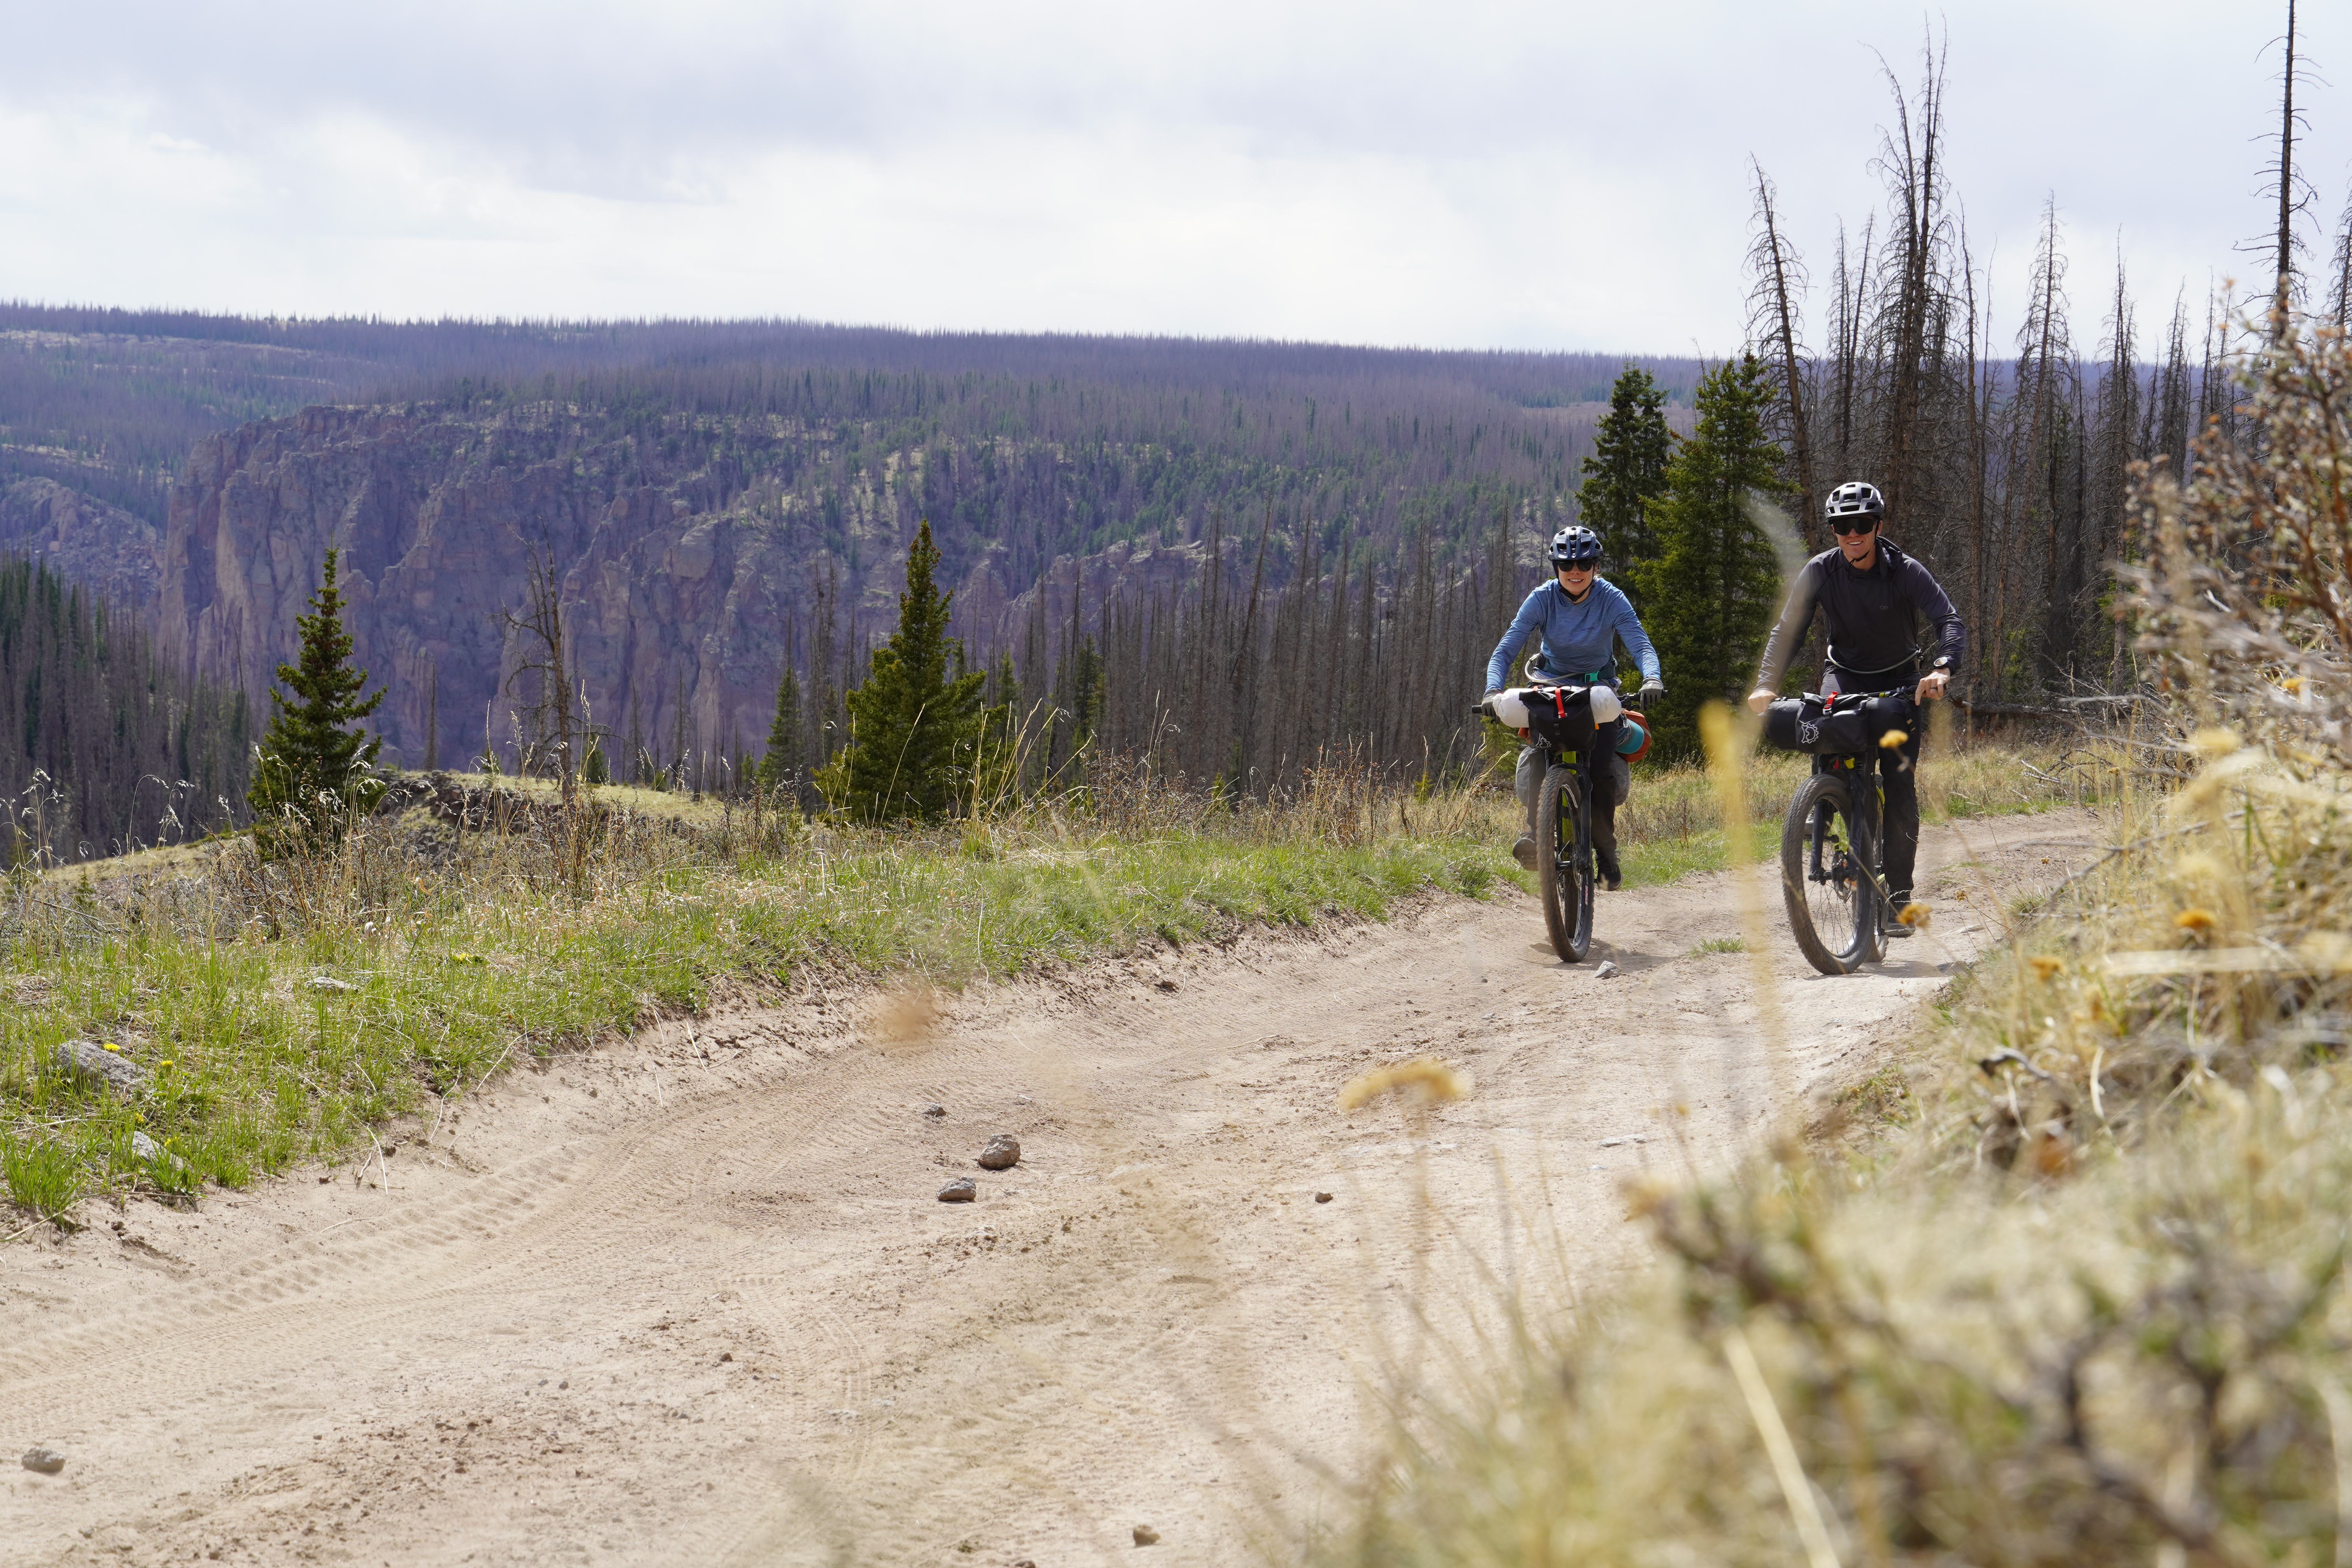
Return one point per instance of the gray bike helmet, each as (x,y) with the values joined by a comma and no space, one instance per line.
(1856,499)
(1573,546)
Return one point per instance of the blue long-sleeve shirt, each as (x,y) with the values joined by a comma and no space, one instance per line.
(1579,638)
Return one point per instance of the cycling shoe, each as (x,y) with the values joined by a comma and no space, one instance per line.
(1611,878)
(1890,923)
(1524,851)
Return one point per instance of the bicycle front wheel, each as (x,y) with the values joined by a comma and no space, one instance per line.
(1825,850)
(1564,864)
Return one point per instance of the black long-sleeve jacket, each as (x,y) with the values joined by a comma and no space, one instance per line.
(1873,615)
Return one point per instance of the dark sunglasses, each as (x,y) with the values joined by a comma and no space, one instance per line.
(1842,526)
(1586,566)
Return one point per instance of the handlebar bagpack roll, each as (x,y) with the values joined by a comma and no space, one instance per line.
(1509,708)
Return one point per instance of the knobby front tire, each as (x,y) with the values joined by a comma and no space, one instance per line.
(1826,854)
(1564,864)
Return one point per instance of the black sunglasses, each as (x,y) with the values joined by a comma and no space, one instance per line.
(1841,526)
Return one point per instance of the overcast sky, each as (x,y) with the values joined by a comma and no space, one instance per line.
(1569,175)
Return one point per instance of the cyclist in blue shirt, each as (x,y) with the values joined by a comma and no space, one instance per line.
(1581,617)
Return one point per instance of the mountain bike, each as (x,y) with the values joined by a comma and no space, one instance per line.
(1561,719)
(1831,843)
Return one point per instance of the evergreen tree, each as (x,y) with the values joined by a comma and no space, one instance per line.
(1627,471)
(912,729)
(593,769)
(1712,589)
(314,772)
(780,765)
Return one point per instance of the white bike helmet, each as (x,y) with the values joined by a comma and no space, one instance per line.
(1855,499)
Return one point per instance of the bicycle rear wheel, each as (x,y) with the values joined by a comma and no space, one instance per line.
(1564,864)
(1832,899)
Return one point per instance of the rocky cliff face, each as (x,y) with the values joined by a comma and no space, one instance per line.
(694,552)
(675,615)
(84,540)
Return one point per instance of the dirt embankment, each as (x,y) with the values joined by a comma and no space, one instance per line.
(691,1298)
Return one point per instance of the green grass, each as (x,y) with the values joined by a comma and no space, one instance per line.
(1720,944)
(46,1177)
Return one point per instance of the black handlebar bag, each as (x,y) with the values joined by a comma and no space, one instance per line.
(1562,718)
(1841,726)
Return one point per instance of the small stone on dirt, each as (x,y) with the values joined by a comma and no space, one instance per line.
(145,1148)
(1146,1536)
(1165,984)
(962,1190)
(1322,1197)
(1608,970)
(1003,1152)
(935,1111)
(44,1461)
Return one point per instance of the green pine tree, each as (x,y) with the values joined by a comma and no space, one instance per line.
(594,770)
(1627,471)
(1711,590)
(781,763)
(913,729)
(316,769)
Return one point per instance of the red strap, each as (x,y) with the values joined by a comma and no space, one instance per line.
(1559,702)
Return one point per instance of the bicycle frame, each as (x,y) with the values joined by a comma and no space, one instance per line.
(1565,872)
(1580,763)
(1864,785)
(1860,769)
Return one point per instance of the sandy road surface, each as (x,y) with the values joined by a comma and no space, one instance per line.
(690,1298)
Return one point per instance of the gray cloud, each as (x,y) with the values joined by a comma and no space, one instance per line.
(1525,175)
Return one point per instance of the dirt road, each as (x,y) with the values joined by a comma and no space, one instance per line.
(690,1298)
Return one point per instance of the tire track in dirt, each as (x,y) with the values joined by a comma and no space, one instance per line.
(690,1298)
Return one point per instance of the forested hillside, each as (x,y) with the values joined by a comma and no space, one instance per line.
(715,514)
(103,747)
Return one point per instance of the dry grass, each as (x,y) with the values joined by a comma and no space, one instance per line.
(2081,1298)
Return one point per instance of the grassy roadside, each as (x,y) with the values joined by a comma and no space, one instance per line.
(405,979)
(279,1014)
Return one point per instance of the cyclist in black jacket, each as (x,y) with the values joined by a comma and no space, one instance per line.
(1873,597)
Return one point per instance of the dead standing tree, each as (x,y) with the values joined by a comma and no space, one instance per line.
(1914,309)
(2293,192)
(555,717)
(1775,316)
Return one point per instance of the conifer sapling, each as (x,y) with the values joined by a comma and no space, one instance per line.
(314,769)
